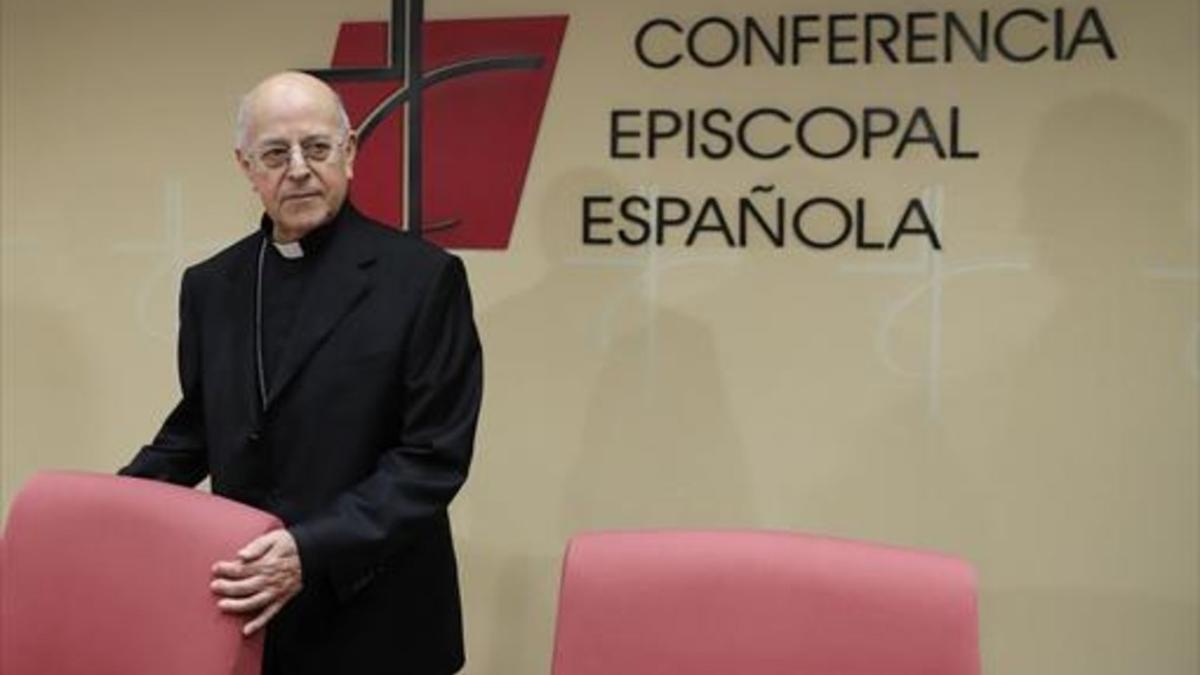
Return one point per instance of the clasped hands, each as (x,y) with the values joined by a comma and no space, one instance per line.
(260,581)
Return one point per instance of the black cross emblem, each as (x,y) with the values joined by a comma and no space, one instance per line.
(405,66)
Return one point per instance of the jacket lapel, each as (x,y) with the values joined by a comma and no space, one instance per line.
(237,327)
(339,282)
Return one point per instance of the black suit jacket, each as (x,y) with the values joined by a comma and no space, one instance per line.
(366,436)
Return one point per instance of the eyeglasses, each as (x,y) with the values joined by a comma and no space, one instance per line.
(312,150)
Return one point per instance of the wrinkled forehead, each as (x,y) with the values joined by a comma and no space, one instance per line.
(289,113)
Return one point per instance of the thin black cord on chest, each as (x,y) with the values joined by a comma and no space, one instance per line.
(258,326)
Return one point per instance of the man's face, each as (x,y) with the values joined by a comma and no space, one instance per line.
(296,156)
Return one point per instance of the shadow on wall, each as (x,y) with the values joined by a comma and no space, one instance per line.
(604,409)
(1093,495)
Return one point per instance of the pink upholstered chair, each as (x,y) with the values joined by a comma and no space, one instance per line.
(761,603)
(109,576)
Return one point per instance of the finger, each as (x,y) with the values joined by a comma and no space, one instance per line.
(238,588)
(249,604)
(256,548)
(232,569)
(263,617)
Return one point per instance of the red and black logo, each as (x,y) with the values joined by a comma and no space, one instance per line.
(447,115)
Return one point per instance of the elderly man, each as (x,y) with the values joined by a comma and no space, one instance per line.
(331,374)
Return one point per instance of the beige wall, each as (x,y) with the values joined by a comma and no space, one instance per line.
(1026,399)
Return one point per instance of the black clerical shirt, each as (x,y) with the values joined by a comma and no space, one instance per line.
(284,281)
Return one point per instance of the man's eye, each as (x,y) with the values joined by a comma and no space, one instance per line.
(274,154)
(318,149)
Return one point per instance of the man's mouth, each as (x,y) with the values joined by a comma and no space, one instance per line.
(301,195)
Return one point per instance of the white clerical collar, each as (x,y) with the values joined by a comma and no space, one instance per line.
(289,249)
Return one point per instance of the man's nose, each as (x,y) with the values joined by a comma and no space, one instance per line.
(297,167)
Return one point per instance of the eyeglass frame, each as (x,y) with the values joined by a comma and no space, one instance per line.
(257,156)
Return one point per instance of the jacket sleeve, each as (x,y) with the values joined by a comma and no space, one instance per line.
(414,480)
(178,452)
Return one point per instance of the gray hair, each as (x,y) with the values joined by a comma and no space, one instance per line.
(241,127)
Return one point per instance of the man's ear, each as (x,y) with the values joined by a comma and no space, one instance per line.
(351,152)
(243,161)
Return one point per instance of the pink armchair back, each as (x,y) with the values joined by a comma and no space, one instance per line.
(761,603)
(107,575)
